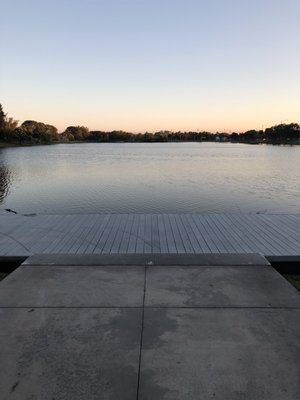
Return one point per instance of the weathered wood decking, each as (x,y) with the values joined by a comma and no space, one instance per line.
(270,235)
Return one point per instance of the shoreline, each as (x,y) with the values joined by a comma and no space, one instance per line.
(4,145)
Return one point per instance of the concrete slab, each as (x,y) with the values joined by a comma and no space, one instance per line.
(146,259)
(244,286)
(226,332)
(220,354)
(67,286)
(69,354)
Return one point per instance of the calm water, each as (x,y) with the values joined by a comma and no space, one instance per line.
(150,178)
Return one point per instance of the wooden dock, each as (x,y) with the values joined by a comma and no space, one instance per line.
(266,234)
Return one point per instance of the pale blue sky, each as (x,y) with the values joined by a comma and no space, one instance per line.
(149,65)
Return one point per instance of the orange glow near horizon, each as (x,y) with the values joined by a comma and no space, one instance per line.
(229,119)
(137,127)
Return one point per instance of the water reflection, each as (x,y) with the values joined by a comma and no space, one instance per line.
(5,181)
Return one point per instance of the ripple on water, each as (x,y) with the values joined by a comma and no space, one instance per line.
(150,178)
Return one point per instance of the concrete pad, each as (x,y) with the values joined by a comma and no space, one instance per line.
(220,354)
(147,259)
(69,354)
(254,286)
(61,286)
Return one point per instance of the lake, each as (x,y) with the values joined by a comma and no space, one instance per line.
(150,178)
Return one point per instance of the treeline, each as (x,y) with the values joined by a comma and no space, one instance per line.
(29,132)
(33,132)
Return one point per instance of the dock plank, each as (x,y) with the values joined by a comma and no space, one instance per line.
(70,235)
(162,236)
(92,236)
(116,244)
(257,242)
(133,235)
(221,235)
(155,234)
(283,226)
(188,240)
(266,234)
(148,235)
(169,235)
(126,235)
(101,235)
(112,234)
(288,240)
(81,235)
(196,248)
(141,234)
(261,229)
(230,231)
(177,236)
(197,233)
(210,236)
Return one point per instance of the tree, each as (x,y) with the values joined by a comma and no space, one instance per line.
(36,132)
(98,136)
(78,132)
(2,119)
(10,123)
(283,133)
(7,125)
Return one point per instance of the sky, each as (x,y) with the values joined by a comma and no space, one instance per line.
(149,65)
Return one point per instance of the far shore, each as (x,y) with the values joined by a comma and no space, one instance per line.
(289,143)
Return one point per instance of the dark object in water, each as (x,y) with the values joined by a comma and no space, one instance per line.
(9,210)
